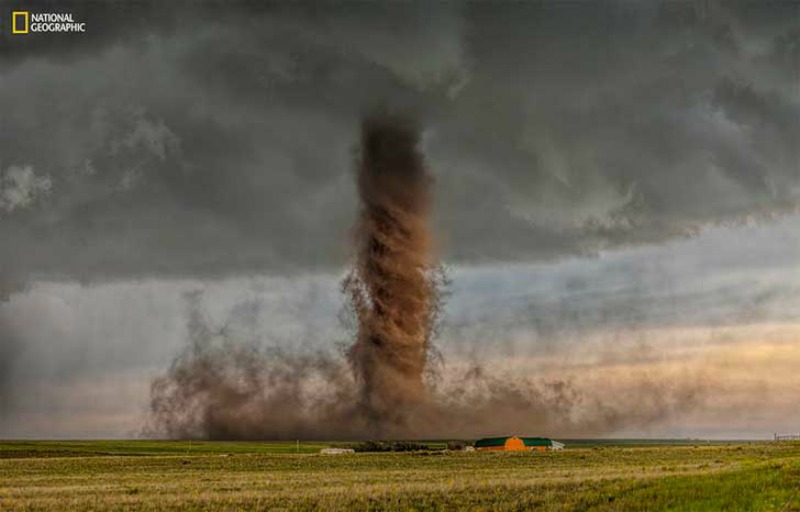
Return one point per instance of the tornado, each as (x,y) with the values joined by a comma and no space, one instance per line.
(392,286)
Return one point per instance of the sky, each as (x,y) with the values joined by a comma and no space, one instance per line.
(616,193)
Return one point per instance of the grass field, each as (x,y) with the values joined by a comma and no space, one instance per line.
(156,475)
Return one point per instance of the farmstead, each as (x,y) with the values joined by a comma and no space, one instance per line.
(514,443)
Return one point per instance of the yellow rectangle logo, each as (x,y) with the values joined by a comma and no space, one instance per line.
(16,26)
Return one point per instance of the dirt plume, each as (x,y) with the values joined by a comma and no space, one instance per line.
(221,388)
(389,383)
(392,287)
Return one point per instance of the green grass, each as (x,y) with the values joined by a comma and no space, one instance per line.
(24,449)
(161,475)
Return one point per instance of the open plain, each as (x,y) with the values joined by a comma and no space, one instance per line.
(163,475)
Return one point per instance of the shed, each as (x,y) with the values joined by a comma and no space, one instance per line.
(336,451)
(515,443)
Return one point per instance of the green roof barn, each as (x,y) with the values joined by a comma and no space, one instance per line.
(514,443)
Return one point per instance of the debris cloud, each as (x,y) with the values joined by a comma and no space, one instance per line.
(393,286)
(381,385)
(219,388)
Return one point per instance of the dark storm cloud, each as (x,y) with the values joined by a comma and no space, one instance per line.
(618,123)
(220,148)
(205,138)
(109,22)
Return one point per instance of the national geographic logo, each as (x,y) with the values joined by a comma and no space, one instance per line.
(25,22)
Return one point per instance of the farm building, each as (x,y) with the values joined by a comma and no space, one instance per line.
(336,451)
(514,443)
